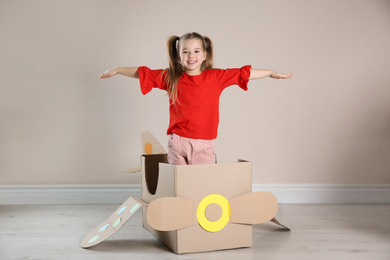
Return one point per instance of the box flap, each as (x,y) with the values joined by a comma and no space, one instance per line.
(151,171)
(138,169)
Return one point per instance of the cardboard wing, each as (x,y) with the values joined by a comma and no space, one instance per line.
(113,223)
(150,145)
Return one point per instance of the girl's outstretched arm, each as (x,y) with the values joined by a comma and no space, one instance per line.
(126,71)
(259,74)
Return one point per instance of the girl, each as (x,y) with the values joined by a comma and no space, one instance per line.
(194,89)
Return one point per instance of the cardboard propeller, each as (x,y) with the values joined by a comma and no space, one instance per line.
(173,213)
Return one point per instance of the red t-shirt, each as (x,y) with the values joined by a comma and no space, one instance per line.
(195,113)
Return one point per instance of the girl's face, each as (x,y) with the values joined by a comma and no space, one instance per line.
(192,55)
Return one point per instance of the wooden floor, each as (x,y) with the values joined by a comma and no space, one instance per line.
(318,232)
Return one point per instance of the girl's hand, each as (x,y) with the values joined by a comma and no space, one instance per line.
(276,75)
(109,73)
(261,73)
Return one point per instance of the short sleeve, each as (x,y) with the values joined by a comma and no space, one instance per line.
(238,77)
(150,79)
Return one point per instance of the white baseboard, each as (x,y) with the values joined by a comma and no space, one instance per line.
(117,194)
(328,193)
(67,194)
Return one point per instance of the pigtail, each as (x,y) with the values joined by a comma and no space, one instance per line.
(175,69)
(208,46)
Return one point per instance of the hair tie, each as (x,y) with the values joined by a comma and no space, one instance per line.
(206,43)
(177,43)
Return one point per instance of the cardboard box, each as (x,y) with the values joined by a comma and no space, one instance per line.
(193,208)
(195,182)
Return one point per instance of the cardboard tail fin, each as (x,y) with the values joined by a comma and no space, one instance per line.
(150,144)
(113,223)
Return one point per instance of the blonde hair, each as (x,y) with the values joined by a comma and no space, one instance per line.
(175,70)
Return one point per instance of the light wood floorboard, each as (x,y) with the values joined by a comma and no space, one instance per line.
(318,232)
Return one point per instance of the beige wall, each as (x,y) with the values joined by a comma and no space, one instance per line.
(61,124)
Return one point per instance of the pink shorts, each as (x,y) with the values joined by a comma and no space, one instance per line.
(182,150)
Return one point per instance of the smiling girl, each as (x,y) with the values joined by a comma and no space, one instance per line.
(194,89)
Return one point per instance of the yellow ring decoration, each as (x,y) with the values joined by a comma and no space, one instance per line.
(213,226)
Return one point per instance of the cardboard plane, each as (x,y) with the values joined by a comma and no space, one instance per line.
(192,208)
